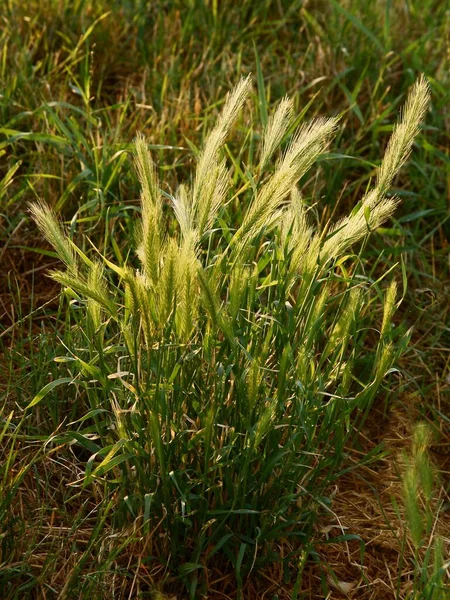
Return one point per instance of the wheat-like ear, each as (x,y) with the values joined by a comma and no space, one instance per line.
(210,183)
(88,288)
(183,210)
(187,289)
(295,222)
(148,179)
(353,228)
(405,132)
(167,295)
(341,331)
(50,227)
(150,232)
(276,129)
(214,192)
(375,208)
(96,282)
(233,105)
(389,307)
(307,145)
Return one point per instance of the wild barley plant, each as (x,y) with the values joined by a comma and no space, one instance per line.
(422,511)
(219,382)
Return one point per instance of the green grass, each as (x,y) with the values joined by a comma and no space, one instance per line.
(79,81)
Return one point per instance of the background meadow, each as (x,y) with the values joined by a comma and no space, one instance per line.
(85,511)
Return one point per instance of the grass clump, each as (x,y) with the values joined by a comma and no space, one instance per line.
(216,385)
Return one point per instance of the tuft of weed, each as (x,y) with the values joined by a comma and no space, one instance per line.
(422,511)
(216,385)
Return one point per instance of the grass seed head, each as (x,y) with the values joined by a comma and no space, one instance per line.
(50,227)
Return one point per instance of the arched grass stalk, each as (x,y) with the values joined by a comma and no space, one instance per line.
(226,373)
